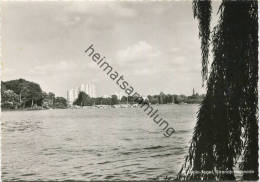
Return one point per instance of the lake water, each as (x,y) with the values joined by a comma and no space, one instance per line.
(94,144)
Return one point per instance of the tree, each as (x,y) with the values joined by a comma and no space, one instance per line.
(51,97)
(48,99)
(29,92)
(178,99)
(83,100)
(114,100)
(230,105)
(10,100)
(130,99)
(3,87)
(162,98)
(154,99)
(60,102)
(124,100)
(194,99)
(99,100)
(168,99)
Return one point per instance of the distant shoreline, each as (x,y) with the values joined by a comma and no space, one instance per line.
(25,95)
(117,106)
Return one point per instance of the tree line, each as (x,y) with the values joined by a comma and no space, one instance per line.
(85,100)
(23,94)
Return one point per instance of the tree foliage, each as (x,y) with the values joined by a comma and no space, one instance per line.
(230,105)
(20,94)
(9,99)
(29,92)
(202,11)
(83,100)
(60,102)
(48,99)
(114,100)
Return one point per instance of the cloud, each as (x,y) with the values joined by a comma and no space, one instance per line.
(178,61)
(142,59)
(47,69)
(141,51)
(145,71)
(174,50)
(101,9)
(68,20)
(94,15)
(123,11)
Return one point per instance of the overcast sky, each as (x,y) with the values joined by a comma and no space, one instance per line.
(154,45)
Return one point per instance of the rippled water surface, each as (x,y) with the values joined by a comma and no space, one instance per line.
(94,144)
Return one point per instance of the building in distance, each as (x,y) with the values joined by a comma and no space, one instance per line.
(89,89)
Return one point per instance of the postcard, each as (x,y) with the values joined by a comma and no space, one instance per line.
(129,90)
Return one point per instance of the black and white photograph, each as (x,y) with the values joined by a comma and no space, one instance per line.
(97,90)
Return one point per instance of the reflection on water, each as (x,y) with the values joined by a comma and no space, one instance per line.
(94,144)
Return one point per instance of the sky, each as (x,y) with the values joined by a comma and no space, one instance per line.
(155,45)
